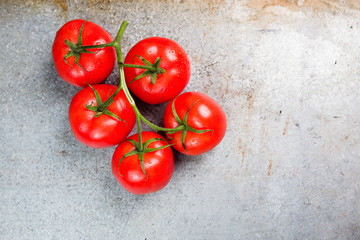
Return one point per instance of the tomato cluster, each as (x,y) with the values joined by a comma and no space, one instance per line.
(156,70)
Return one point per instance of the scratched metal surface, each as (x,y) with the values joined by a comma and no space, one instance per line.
(287,74)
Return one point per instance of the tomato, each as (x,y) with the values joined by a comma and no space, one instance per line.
(158,165)
(102,131)
(204,114)
(174,61)
(95,67)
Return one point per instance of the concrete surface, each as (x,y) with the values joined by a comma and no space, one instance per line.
(287,74)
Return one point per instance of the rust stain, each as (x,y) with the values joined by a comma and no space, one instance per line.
(242,152)
(286,126)
(269,168)
(63,153)
(250,105)
(62,4)
(95,4)
(264,133)
(225,91)
(250,99)
(243,158)
(296,5)
(212,4)
(347,137)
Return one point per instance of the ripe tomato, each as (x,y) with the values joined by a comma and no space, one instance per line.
(204,114)
(158,165)
(98,65)
(102,131)
(169,84)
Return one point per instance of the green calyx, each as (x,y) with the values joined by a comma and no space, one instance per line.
(76,49)
(141,149)
(102,107)
(152,69)
(186,126)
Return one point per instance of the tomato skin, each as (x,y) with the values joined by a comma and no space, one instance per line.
(169,84)
(103,131)
(159,166)
(98,66)
(205,114)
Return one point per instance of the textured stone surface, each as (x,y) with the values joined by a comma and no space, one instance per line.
(288,77)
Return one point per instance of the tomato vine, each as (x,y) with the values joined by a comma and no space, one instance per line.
(208,118)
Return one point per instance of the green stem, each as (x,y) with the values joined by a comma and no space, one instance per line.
(117,45)
(157,128)
(140,145)
(154,69)
(125,88)
(110,44)
(123,85)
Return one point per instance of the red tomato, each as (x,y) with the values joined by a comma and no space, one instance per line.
(169,84)
(204,114)
(102,131)
(98,65)
(158,165)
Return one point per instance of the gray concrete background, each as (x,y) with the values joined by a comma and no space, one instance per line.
(287,74)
